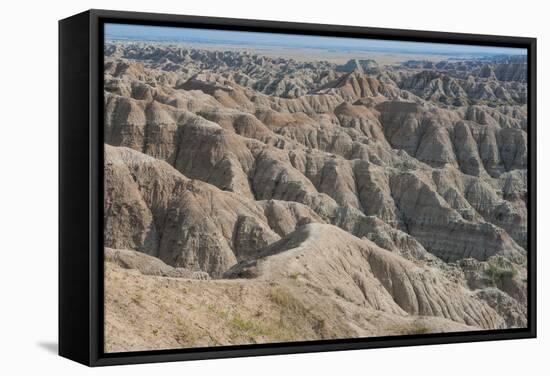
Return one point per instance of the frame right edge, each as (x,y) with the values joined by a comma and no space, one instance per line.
(532,186)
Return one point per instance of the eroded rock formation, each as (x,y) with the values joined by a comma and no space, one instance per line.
(395,195)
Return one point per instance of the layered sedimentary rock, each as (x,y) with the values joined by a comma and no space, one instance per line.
(396,195)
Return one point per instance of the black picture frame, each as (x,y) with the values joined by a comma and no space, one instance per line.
(81,178)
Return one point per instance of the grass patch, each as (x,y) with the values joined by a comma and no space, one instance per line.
(202,114)
(294,184)
(296,318)
(285,300)
(184,334)
(499,269)
(242,324)
(220,313)
(413,328)
(418,329)
(294,275)
(250,328)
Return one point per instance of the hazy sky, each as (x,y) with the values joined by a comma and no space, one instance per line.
(251,40)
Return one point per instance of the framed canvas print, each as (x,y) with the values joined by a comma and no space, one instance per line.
(240,187)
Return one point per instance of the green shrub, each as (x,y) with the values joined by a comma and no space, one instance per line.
(499,269)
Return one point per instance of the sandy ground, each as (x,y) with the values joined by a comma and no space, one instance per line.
(145,312)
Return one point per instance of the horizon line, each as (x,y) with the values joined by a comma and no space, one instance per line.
(148,33)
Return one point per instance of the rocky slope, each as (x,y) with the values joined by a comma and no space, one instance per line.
(343,200)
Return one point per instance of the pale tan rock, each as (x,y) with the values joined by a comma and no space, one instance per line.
(362,273)
(149,265)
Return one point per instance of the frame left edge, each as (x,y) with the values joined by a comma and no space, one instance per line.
(74,281)
(96,188)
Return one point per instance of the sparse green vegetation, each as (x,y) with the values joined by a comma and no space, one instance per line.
(295,316)
(184,336)
(202,114)
(220,313)
(499,269)
(411,329)
(419,329)
(324,212)
(294,275)
(242,324)
(294,185)
(285,300)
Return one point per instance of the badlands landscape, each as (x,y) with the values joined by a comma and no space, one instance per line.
(261,199)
